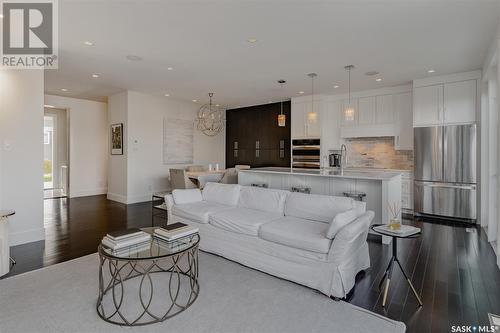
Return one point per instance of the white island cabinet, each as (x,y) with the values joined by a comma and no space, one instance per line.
(381,188)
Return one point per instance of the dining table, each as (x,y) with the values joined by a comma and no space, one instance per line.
(200,178)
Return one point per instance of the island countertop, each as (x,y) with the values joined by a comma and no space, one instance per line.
(367,175)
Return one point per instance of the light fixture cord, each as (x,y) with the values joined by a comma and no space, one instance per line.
(281,111)
(349,86)
(312,93)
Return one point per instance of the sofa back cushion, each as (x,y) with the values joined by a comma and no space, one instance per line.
(341,220)
(268,200)
(224,194)
(186,196)
(317,207)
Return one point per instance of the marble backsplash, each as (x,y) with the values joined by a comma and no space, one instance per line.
(377,153)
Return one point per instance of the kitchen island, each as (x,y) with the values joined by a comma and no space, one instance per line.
(381,187)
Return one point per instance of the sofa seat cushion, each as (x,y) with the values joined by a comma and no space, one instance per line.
(242,220)
(198,211)
(298,233)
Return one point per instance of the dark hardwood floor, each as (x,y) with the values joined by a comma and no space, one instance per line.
(453,268)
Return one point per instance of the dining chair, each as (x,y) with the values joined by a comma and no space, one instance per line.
(179,180)
(230,176)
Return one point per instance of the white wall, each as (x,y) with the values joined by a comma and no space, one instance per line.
(145,170)
(21,152)
(117,173)
(491,143)
(88,144)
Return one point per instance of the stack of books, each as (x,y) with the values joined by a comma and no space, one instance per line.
(175,232)
(124,239)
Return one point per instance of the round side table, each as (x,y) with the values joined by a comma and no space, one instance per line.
(5,259)
(394,258)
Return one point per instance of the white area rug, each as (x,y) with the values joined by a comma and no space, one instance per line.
(233,298)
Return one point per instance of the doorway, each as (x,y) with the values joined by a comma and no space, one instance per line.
(55,153)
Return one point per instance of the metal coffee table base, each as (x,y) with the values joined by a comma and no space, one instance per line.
(183,273)
(388,274)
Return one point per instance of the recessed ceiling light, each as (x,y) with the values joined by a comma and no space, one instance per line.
(48,106)
(217,105)
(1,15)
(95,76)
(166,95)
(195,100)
(169,68)
(132,57)
(64,89)
(371,73)
(252,40)
(431,71)
(88,43)
(335,86)
(378,80)
(301,92)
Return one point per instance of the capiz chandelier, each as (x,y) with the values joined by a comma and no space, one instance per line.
(210,119)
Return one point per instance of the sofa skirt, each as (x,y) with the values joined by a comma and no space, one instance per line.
(326,273)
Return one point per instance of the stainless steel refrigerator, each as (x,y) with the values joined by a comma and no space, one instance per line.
(445,171)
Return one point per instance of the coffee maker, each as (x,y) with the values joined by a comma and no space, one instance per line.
(338,158)
(335,159)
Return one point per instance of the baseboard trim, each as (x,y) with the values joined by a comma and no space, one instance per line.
(27,236)
(86,193)
(117,197)
(128,200)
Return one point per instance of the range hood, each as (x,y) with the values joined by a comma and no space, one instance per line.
(368,131)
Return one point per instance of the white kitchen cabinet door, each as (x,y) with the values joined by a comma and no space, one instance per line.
(349,119)
(298,121)
(312,118)
(460,102)
(385,112)
(366,110)
(402,104)
(330,126)
(427,105)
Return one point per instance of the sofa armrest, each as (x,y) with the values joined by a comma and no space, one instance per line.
(351,237)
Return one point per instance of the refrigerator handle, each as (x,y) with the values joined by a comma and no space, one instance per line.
(445,185)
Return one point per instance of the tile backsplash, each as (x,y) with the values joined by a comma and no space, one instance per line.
(377,153)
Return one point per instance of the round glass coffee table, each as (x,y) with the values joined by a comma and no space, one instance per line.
(149,283)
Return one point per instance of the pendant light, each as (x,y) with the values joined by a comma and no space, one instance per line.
(349,110)
(312,115)
(281,116)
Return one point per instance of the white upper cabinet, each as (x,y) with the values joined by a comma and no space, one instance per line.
(330,126)
(366,110)
(460,102)
(385,110)
(305,123)
(298,124)
(446,100)
(427,105)
(402,104)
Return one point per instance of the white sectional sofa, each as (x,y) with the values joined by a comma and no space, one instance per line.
(314,240)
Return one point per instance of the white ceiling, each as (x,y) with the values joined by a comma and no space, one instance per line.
(206,44)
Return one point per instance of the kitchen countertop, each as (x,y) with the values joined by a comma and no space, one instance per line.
(351,174)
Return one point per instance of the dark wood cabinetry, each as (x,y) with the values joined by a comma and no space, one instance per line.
(253,136)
